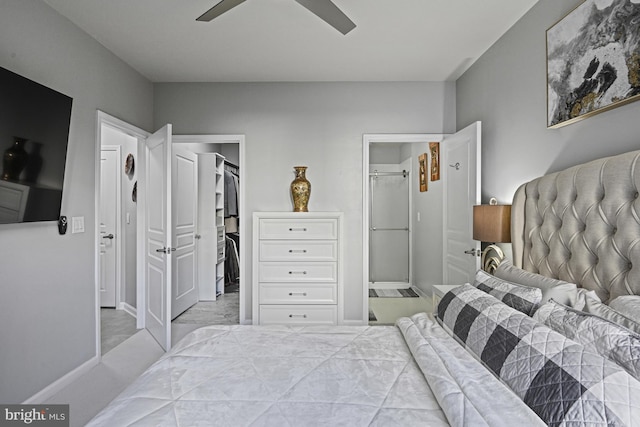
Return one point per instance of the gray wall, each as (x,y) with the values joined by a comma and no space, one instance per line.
(47,308)
(506,90)
(427,233)
(319,125)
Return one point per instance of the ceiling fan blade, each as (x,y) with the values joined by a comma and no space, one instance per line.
(330,13)
(219,9)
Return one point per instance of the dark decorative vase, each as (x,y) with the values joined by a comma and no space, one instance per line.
(300,190)
(14,160)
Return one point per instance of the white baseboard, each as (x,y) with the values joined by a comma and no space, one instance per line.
(53,388)
(129,309)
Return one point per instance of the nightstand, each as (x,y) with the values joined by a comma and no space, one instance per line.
(438,292)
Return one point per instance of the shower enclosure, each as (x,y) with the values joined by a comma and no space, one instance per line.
(389,232)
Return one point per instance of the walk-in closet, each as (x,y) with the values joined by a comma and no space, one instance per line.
(217,239)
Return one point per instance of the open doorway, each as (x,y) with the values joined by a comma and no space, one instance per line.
(216,197)
(141,219)
(402,228)
(440,215)
(116,217)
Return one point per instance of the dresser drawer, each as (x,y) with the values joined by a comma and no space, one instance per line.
(298,314)
(302,229)
(312,293)
(9,215)
(298,272)
(298,250)
(13,198)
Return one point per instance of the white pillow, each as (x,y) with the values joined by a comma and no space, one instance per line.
(581,299)
(606,312)
(629,305)
(561,291)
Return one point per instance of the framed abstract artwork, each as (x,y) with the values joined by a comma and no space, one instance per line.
(593,60)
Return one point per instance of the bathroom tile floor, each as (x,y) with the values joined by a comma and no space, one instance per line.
(388,310)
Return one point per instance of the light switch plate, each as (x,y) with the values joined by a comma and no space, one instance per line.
(77,224)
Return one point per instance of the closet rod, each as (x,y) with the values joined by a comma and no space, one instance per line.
(227,162)
(376,173)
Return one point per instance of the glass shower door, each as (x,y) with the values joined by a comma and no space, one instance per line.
(389,227)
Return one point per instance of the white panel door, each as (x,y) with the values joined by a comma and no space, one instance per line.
(158,236)
(108,218)
(462,168)
(184,184)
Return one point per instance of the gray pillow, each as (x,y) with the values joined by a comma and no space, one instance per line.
(608,339)
(561,291)
(606,312)
(629,305)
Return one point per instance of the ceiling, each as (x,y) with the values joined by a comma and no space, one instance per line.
(279,40)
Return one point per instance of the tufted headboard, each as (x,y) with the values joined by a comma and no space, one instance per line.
(582,225)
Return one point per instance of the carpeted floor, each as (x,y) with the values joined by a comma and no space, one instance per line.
(93,390)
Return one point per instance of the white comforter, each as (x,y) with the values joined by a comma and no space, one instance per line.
(305,376)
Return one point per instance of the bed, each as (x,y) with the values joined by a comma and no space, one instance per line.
(552,338)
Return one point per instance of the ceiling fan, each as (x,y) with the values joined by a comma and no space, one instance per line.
(324,9)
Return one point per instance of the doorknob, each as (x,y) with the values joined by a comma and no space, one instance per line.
(472,252)
(108,236)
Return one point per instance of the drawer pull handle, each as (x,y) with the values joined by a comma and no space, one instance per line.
(297,272)
(302,316)
(304,294)
(298,229)
(297,251)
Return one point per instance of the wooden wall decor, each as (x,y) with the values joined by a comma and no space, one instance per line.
(434,148)
(422,163)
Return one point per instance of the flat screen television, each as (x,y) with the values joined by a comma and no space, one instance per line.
(34,133)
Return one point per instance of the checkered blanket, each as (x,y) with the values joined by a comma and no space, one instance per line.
(561,381)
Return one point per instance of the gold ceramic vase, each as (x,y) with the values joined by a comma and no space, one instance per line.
(300,190)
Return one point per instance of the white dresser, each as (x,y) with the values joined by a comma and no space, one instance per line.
(13,201)
(297,268)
